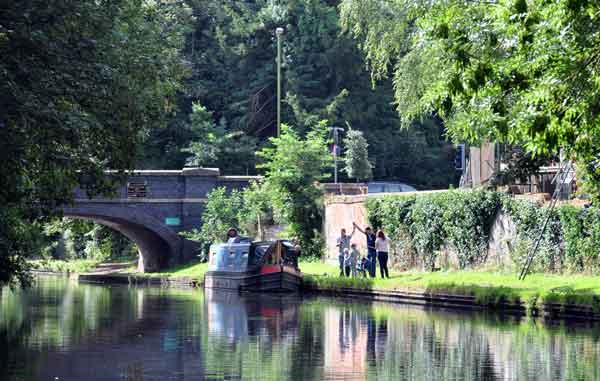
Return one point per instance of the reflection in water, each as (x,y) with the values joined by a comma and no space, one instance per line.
(70,331)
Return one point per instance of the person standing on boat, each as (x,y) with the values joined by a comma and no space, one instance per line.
(382,245)
(343,242)
(371,252)
(232,236)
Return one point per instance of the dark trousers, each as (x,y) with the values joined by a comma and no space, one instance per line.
(372,255)
(383,258)
(347,270)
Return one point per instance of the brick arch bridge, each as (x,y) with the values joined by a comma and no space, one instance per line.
(153,207)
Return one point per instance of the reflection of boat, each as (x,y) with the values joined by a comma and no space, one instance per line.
(256,266)
(238,316)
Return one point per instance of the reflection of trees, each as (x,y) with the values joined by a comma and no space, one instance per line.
(422,345)
(92,323)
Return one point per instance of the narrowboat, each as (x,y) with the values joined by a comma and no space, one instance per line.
(265,266)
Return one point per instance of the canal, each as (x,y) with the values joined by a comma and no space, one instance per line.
(62,330)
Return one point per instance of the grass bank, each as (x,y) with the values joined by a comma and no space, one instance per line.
(60,266)
(194,271)
(488,288)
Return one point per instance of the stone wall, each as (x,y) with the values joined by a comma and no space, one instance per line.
(340,212)
(501,241)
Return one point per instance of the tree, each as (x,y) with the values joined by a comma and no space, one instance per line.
(81,82)
(293,167)
(231,50)
(245,211)
(515,71)
(257,209)
(220,213)
(214,146)
(357,156)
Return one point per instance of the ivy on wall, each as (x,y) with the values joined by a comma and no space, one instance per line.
(422,225)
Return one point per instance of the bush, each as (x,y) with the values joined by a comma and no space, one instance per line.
(581,234)
(423,223)
(461,220)
(427,228)
(467,220)
(529,219)
(222,211)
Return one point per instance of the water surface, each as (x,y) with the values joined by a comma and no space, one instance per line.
(61,330)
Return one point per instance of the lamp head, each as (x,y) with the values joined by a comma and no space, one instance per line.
(279,30)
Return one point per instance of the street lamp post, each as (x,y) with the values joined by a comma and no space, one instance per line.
(335,148)
(279,33)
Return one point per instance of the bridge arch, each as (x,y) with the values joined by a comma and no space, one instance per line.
(158,246)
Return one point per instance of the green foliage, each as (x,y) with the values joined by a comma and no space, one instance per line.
(247,211)
(231,51)
(74,239)
(529,219)
(356,156)
(427,228)
(293,167)
(468,219)
(522,72)
(62,266)
(257,210)
(421,225)
(461,219)
(18,240)
(221,212)
(213,146)
(81,82)
(581,234)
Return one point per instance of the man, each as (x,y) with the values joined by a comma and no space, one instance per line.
(343,242)
(371,252)
(232,236)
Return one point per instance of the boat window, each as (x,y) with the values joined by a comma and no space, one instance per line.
(229,257)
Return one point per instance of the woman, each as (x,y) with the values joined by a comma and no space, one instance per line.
(382,245)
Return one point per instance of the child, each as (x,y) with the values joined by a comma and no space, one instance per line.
(362,266)
(347,262)
(354,256)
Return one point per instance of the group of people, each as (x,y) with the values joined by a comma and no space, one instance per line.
(353,264)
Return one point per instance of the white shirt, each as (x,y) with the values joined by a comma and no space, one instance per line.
(382,244)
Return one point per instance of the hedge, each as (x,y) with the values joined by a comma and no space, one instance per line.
(424,224)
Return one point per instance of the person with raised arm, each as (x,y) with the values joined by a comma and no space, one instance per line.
(371,252)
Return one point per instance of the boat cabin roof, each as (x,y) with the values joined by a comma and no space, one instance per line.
(248,256)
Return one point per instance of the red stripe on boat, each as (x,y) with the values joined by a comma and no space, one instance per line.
(268,269)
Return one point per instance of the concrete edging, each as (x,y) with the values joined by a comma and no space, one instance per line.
(464,302)
(139,280)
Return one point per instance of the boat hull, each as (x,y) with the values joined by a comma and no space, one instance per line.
(281,281)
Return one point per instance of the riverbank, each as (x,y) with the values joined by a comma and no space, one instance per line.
(573,296)
(63,267)
(188,275)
